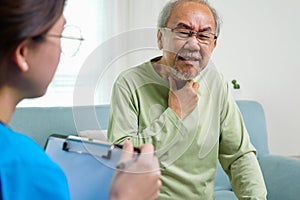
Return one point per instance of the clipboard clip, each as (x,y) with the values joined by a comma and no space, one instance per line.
(70,138)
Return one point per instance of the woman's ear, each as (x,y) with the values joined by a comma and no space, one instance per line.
(159,40)
(20,56)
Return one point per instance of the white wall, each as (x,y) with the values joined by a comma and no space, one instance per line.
(260,47)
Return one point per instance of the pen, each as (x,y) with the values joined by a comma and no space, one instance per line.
(127,163)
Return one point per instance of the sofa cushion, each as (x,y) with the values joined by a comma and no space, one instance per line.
(225,195)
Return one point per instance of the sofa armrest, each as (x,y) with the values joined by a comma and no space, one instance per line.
(282,176)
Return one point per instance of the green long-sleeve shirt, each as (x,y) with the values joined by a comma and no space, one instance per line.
(188,149)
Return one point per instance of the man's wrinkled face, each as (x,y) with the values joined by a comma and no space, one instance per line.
(188,39)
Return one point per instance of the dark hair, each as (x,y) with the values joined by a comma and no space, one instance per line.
(23,19)
(167,10)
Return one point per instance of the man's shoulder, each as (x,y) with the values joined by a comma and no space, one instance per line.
(136,73)
(137,69)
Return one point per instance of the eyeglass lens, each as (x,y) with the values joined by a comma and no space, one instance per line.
(71,40)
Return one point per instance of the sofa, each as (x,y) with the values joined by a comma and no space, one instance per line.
(281,174)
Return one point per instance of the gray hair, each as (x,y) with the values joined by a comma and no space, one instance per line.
(166,12)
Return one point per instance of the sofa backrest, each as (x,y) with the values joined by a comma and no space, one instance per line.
(254,118)
(40,122)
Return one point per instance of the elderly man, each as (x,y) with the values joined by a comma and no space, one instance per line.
(181,104)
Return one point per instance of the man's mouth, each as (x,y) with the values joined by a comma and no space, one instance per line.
(188,56)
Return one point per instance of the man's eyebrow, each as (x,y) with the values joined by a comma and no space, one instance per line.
(206,29)
(183,25)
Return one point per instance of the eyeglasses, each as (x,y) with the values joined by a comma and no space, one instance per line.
(203,37)
(71,39)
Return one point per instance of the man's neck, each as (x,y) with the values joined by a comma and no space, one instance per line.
(164,71)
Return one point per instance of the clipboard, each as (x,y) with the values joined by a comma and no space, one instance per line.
(88,164)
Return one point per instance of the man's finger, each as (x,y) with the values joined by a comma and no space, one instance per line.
(195,86)
(189,83)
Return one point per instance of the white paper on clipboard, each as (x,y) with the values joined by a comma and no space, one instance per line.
(89,165)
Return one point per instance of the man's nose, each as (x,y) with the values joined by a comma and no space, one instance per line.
(192,43)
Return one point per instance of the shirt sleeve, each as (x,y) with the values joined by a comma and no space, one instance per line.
(238,156)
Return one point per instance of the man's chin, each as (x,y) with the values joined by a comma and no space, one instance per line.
(184,76)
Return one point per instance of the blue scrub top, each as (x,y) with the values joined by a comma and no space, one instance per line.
(26,172)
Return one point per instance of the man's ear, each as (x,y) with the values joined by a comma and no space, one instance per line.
(215,43)
(159,40)
(20,56)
